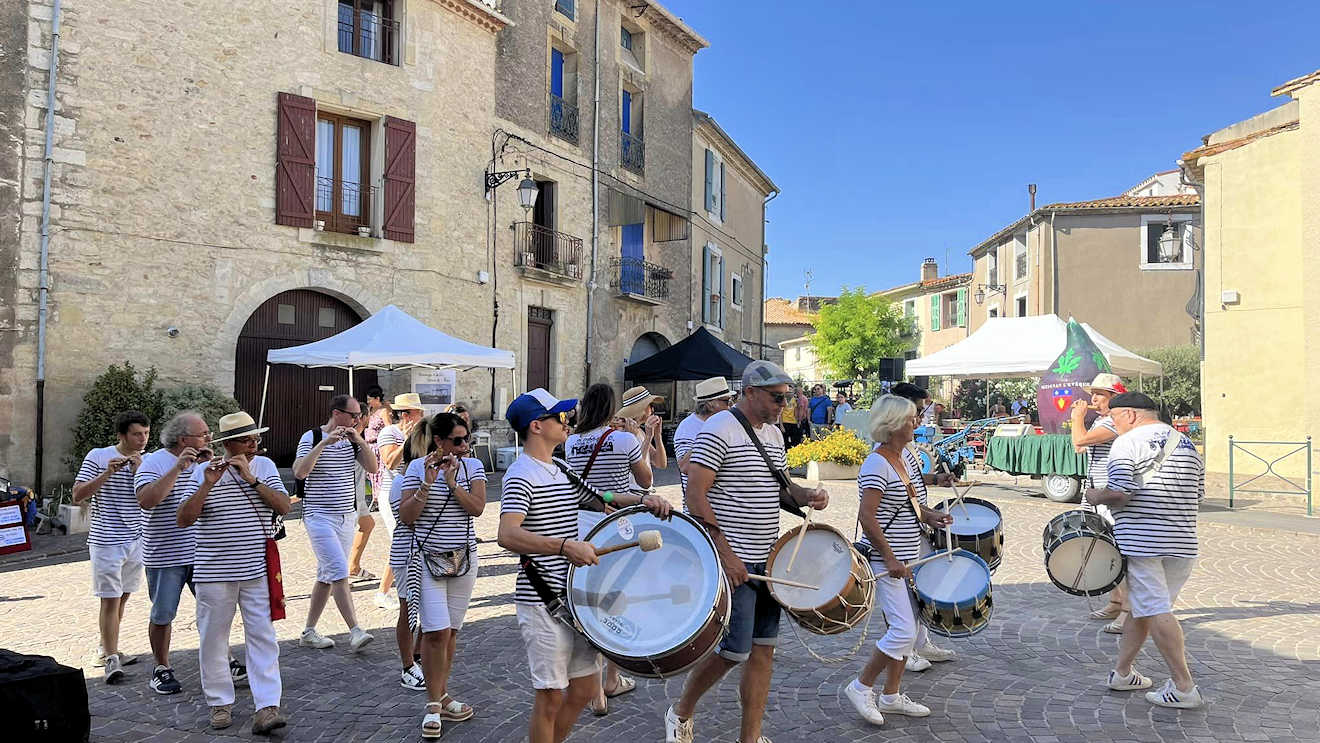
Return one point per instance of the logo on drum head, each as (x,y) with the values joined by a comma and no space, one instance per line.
(836,546)
(620,626)
(625,528)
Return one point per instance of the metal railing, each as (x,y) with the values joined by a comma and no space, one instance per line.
(544,249)
(1297,448)
(632,152)
(368,35)
(565,7)
(563,119)
(638,278)
(342,205)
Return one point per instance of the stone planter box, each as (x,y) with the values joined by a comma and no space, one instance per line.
(832,471)
(78,518)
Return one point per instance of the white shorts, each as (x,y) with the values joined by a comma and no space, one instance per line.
(555,653)
(331,536)
(116,569)
(1154,583)
(445,601)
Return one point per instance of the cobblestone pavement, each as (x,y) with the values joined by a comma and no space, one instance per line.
(1251,612)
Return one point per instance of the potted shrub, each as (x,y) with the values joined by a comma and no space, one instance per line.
(838,456)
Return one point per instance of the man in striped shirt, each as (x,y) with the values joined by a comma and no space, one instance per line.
(538,518)
(115,538)
(712,396)
(1156,482)
(736,494)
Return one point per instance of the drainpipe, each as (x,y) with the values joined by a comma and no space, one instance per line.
(595,195)
(1054,263)
(765,268)
(44,275)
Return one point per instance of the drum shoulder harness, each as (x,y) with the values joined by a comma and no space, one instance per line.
(786,501)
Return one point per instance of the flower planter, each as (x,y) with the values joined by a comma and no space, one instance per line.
(832,471)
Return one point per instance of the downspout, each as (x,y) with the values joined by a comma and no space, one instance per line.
(765,269)
(44,271)
(595,194)
(1054,264)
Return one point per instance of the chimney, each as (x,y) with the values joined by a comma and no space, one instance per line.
(1031,190)
(929,269)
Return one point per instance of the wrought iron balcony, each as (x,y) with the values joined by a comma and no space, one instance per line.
(542,249)
(366,34)
(563,119)
(636,278)
(632,152)
(342,205)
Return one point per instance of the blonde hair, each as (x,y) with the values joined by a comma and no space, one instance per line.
(888,414)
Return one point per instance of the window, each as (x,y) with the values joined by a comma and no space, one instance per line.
(1021,303)
(285,314)
(736,288)
(632,46)
(564,8)
(993,312)
(625,38)
(343,172)
(1019,257)
(563,94)
(632,154)
(716,175)
(369,29)
(1159,252)
(797,353)
(712,286)
(992,267)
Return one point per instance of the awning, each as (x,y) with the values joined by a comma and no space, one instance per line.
(698,356)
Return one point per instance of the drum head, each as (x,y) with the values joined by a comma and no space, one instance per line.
(972,517)
(1064,560)
(641,604)
(825,561)
(958,581)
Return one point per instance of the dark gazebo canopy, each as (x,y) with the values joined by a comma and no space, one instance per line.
(698,356)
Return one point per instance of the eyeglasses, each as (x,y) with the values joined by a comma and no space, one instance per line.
(561,417)
(249,440)
(459,440)
(205,435)
(348,413)
(780,398)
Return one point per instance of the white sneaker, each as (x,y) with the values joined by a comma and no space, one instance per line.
(359,638)
(1131,682)
(1169,696)
(901,706)
(113,669)
(413,678)
(312,639)
(676,730)
(863,700)
(936,654)
(916,663)
(387,601)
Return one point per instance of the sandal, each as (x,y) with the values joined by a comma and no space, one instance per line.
(624,686)
(600,706)
(363,574)
(452,709)
(1116,627)
(431,725)
(1109,612)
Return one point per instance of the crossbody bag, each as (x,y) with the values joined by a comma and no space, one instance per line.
(453,563)
(1145,475)
(274,572)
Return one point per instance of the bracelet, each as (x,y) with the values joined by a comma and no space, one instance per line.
(608,497)
(561,545)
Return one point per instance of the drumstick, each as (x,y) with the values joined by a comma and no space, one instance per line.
(928,558)
(783,581)
(797,545)
(647,540)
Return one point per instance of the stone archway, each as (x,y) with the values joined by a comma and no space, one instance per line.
(647,344)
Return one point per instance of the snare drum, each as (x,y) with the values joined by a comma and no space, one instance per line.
(655,613)
(845,583)
(954,597)
(1081,555)
(977,527)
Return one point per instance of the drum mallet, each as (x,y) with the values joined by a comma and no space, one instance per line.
(647,540)
(782,581)
(797,544)
(947,553)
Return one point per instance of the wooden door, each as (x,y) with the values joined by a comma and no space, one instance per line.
(539,323)
(297,398)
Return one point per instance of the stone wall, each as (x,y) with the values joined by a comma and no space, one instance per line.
(17,326)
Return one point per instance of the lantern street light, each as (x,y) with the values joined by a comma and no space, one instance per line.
(527,190)
(979,296)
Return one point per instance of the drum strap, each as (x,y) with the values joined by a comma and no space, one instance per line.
(554,602)
(1170,446)
(913,502)
(786,502)
(595,452)
(582,485)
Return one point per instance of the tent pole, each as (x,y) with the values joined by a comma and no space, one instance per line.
(987,397)
(265,383)
(350,381)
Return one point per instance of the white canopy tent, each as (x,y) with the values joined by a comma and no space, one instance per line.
(390,339)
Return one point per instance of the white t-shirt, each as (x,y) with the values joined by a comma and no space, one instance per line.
(1159,519)
(1097,455)
(401,542)
(443,524)
(904,533)
(234,525)
(116,516)
(745,494)
(549,504)
(165,544)
(390,435)
(684,436)
(839,411)
(612,469)
(331,486)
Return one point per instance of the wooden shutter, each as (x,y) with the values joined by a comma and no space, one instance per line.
(962,308)
(295,161)
(705,283)
(710,181)
(718,275)
(935,312)
(400,179)
(627,112)
(557,73)
(721,191)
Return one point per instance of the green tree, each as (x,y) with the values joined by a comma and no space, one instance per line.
(1182,379)
(969,397)
(209,401)
(116,390)
(855,333)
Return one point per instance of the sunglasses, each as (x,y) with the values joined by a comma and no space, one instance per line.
(780,398)
(459,440)
(561,417)
(348,413)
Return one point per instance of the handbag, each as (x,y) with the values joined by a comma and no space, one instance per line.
(274,572)
(442,564)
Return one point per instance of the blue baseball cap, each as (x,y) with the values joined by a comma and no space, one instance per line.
(538,403)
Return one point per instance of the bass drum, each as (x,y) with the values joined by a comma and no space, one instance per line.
(1081,554)
(654,613)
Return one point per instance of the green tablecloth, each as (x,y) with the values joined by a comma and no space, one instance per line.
(1051,454)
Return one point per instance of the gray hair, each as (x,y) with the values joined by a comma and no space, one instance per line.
(177,427)
(888,414)
(706,408)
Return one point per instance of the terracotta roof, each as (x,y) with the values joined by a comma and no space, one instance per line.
(944,282)
(1232,144)
(780,311)
(1113,202)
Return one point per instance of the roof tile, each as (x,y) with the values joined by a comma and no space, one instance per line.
(780,311)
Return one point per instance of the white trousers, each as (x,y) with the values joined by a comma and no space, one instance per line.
(905,633)
(331,535)
(215,616)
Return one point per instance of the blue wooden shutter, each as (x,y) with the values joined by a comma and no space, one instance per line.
(705,284)
(722,191)
(556,73)
(935,312)
(627,112)
(710,181)
(632,270)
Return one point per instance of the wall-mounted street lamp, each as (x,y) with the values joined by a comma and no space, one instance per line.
(981,289)
(527,190)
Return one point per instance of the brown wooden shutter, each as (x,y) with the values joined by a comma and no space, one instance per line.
(295,161)
(400,179)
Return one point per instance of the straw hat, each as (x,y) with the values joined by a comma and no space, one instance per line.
(407,401)
(714,388)
(1106,383)
(237,425)
(635,401)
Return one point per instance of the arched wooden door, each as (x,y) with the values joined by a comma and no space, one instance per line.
(297,398)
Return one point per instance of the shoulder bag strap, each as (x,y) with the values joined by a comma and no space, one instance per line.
(257,512)
(449,496)
(900,467)
(595,452)
(1170,446)
(785,502)
(581,484)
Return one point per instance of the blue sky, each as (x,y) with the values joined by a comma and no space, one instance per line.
(902,130)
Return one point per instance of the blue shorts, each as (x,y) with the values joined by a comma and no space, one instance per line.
(754,619)
(165,586)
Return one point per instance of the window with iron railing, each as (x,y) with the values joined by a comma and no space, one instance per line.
(564,8)
(563,119)
(639,278)
(369,29)
(546,250)
(343,170)
(632,152)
